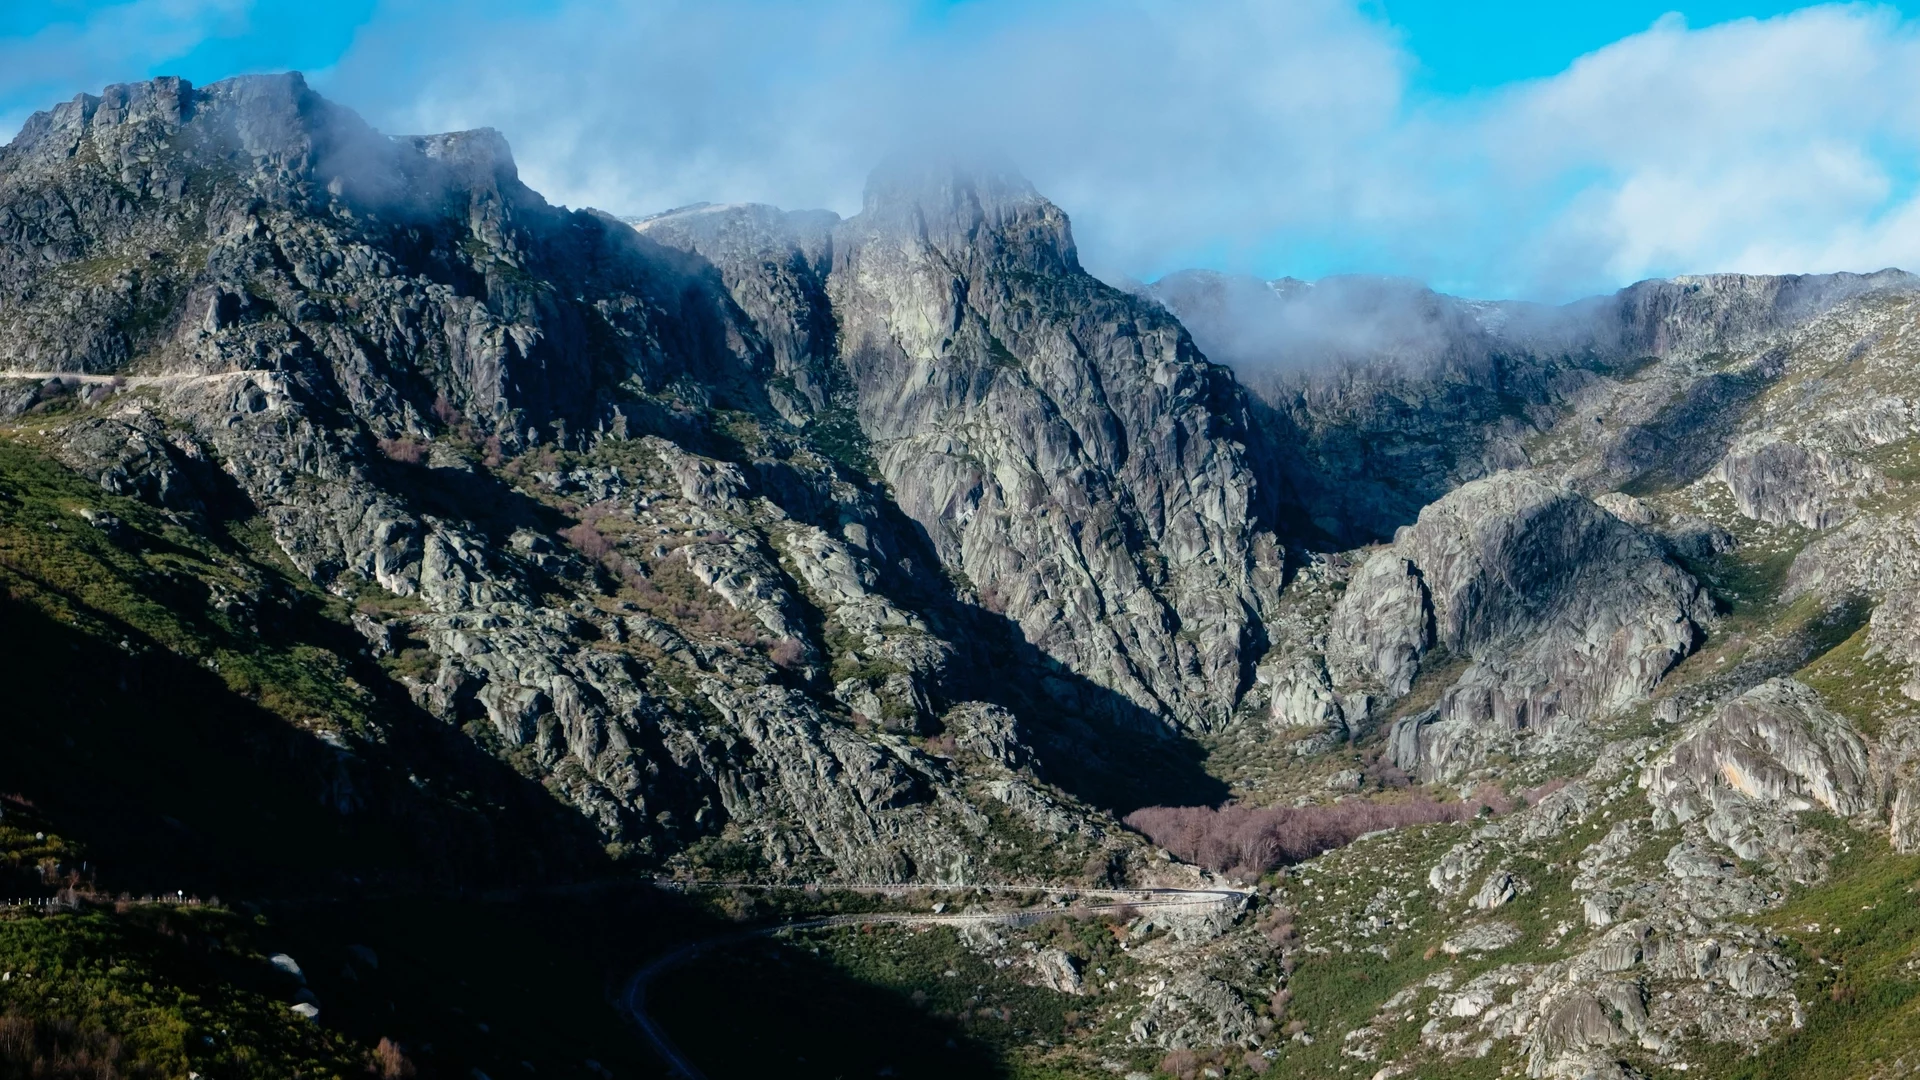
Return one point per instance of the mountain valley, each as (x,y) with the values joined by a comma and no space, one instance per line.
(483,598)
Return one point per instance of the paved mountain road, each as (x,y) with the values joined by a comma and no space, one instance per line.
(634,999)
(123,380)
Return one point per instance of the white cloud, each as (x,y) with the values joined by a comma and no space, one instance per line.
(1788,144)
(642,105)
(1273,135)
(115,43)
(1166,128)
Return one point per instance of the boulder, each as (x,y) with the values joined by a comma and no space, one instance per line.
(1481,938)
(1057,969)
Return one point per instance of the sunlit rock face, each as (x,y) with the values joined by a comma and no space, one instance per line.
(1562,611)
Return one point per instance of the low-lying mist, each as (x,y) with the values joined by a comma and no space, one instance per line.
(1269,330)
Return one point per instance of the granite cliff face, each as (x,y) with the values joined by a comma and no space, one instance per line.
(1073,460)
(899,548)
(420,376)
(1564,612)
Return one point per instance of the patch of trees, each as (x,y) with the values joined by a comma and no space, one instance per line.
(1246,841)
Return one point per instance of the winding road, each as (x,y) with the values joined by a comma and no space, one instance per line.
(633,999)
(129,381)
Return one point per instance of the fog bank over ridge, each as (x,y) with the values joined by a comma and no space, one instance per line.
(1287,328)
(1282,140)
(1276,139)
(1289,324)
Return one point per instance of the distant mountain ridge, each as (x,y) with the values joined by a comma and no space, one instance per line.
(1390,394)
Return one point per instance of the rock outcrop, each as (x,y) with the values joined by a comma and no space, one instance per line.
(1779,482)
(1771,753)
(1561,610)
(1070,454)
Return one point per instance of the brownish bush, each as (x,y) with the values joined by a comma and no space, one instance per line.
(1247,841)
(1384,774)
(787,652)
(729,622)
(588,540)
(1276,926)
(1181,1063)
(1254,1063)
(406,451)
(389,1062)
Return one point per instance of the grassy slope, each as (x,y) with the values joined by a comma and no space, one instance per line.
(197,716)
(1857,941)
(160,737)
(156,992)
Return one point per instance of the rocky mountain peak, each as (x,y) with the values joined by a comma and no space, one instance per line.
(967,211)
(285,141)
(274,119)
(57,133)
(481,153)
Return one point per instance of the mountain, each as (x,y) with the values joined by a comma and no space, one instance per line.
(1385,395)
(427,566)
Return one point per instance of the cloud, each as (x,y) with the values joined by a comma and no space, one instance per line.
(640,106)
(1789,144)
(1267,329)
(112,43)
(1170,130)
(1277,136)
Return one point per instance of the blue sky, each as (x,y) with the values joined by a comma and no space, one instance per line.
(1460,47)
(1464,47)
(1493,148)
